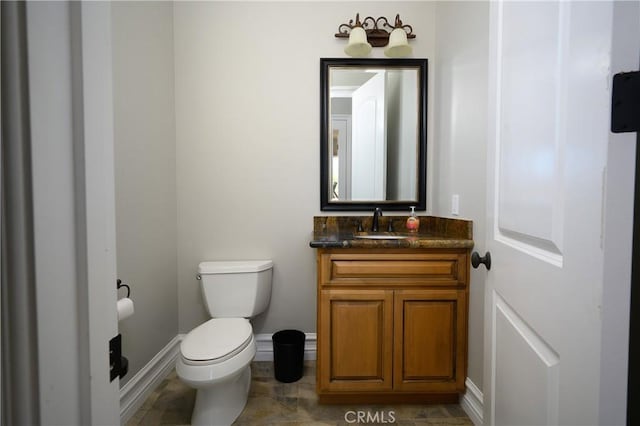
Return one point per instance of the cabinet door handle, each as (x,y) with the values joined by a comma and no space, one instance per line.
(476,260)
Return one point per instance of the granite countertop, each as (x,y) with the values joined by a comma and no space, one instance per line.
(434,232)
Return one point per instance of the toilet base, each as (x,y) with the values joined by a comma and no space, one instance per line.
(221,405)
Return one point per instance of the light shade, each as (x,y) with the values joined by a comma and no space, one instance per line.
(398,45)
(358,45)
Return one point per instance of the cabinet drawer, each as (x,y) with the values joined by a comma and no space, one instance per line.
(383,269)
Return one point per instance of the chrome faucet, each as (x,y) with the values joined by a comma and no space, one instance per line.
(376,214)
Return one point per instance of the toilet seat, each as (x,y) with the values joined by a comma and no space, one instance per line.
(216,341)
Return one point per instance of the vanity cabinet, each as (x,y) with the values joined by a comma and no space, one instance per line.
(392,325)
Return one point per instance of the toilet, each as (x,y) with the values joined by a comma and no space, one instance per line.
(215,357)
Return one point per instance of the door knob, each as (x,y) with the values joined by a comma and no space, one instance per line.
(476,260)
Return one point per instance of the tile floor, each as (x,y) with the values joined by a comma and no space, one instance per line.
(274,403)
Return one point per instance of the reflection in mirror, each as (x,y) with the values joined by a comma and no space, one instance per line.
(373,136)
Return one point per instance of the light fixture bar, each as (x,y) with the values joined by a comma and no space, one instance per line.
(377,30)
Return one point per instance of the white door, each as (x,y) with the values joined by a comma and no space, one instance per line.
(549,107)
(369,141)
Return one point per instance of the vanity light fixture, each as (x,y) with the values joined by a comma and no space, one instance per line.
(377,33)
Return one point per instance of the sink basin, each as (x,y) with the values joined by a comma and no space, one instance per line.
(380,237)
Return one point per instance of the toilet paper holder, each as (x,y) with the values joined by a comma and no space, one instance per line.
(120,285)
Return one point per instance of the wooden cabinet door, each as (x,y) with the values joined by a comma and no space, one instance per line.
(355,340)
(429,340)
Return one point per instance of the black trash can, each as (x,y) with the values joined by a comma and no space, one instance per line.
(288,355)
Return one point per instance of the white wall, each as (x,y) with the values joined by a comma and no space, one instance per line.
(459,165)
(246,147)
(145,175)
(402,131)
(247,135)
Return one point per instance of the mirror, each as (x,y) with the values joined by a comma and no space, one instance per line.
(373,135)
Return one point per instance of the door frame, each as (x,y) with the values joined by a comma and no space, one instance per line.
(633,375)
(70,142)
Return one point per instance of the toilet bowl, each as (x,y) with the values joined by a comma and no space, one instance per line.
(215,357)
(218,366)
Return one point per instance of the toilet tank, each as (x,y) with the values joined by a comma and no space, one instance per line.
(238,288)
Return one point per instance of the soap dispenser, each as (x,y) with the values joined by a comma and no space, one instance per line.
(413,223)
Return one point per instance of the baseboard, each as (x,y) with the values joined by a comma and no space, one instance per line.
(264,346)
(135,391)
(472,402)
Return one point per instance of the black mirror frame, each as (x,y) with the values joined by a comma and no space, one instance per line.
(325,203)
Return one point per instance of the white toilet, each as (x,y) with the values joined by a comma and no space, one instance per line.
(215,356)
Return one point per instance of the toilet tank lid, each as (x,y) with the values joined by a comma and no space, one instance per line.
(234,266)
